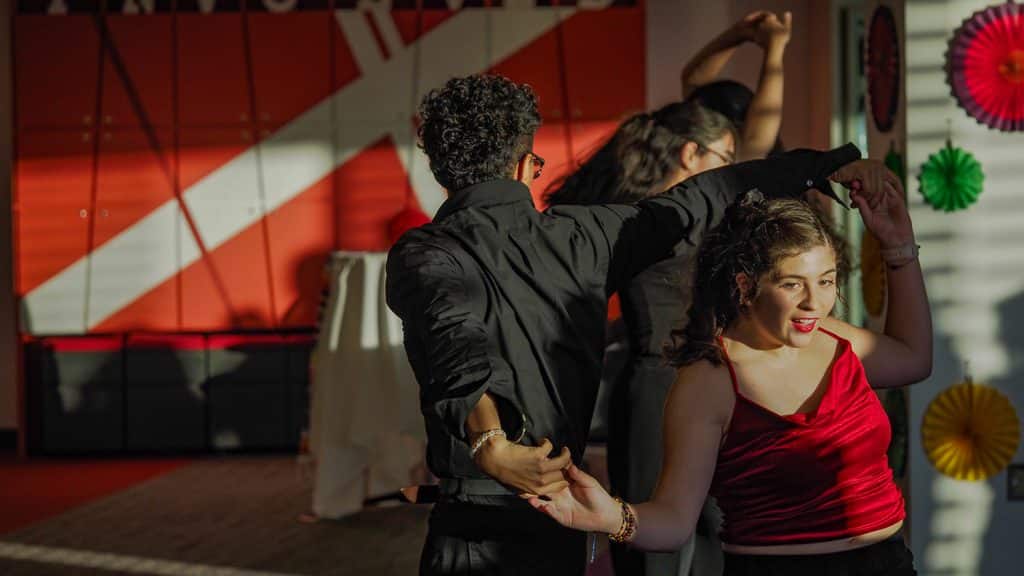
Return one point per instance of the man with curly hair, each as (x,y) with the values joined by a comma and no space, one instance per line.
(504,312)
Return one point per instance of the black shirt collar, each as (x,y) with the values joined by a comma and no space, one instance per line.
(484,194)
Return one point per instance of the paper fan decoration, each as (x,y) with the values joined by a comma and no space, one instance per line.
(985,66)
(872,275)
(970,431)
(883,68)
(951,179)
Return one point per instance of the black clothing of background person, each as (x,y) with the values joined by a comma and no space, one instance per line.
(496,297)
(654,303)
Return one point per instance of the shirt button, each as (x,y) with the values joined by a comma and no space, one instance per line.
(809,183)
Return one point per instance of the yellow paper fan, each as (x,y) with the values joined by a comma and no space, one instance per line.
(872,275)
(970,431)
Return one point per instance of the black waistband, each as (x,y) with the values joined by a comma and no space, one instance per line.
(474,486)
(497,518)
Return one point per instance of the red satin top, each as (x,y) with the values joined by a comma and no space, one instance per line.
(809,477)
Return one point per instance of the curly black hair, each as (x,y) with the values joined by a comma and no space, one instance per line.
(476,129)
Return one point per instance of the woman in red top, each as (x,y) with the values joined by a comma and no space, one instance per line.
(771,411)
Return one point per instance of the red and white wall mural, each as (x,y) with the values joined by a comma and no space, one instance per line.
(188,165)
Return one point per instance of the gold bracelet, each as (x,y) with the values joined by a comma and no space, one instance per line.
(627,529)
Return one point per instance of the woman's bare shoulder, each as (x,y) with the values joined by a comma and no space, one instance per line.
(703,385)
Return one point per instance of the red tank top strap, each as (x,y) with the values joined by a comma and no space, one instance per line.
(832,334)
(728,364)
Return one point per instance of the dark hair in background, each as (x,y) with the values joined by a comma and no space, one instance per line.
(476,129)
(752,238)
(640,155)
(731,99)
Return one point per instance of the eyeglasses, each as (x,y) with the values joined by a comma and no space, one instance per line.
(730,159)
(538,164)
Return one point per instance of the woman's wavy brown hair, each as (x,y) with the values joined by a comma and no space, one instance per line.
(752,238)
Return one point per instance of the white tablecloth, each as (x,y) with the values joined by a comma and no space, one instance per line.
(366,432)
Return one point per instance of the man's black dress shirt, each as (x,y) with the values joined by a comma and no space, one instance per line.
(497,297)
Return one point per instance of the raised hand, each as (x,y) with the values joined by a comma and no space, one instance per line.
(773,31)
(867,178)
(878,195)
(527,469)
(583,504)
(745,30)
(887,218)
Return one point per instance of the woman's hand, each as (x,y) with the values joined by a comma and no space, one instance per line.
(745,29)
(772,31)
(583,504)
(878,195)
(887,218)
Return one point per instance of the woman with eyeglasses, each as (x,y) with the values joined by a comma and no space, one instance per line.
(648,154)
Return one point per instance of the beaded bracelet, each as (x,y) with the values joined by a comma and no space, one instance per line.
(627,529)
(487,435)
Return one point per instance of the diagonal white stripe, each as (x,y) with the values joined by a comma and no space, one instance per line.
(294,158)
(360,39)
(386,25)
(119,562)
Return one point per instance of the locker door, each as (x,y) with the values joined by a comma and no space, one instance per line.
(138,69)
(372,189)
(301,236)
(56,70)
(291,65)
(291,60)
(52,208)
(606,77)
(135,178)
(213,87)
(229,287)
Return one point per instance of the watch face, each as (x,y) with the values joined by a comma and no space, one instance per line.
(883,68)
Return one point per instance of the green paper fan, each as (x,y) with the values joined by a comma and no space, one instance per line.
(951,179)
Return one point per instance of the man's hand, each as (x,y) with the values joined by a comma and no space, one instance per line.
(527,469)
(868,178)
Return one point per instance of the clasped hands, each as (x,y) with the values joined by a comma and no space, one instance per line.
(553,485)
(529,470)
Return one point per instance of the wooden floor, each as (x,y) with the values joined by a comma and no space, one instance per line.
(238,515)
(219,517)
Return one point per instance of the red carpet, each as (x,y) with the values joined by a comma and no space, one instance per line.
(34,490)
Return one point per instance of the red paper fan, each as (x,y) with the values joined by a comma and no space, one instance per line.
(883,68)
(985,66)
